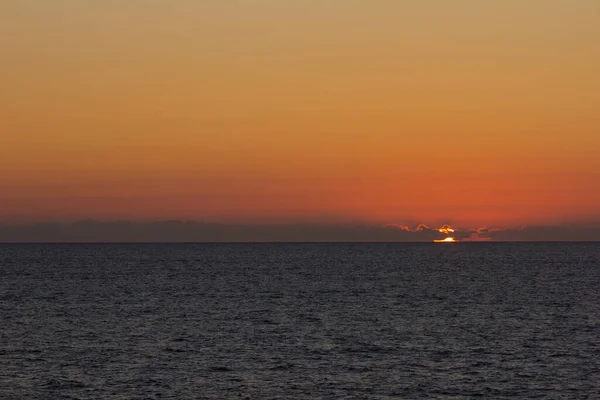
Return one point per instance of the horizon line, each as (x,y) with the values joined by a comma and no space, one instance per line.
(305,242)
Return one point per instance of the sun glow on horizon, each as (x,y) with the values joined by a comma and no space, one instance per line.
(447,240)
(447,229)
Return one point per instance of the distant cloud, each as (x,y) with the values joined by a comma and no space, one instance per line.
(547,233)
(479,234)
(476,237)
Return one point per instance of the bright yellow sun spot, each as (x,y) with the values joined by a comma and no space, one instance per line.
(447,240)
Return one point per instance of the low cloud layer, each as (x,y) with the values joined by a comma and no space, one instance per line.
(180,231)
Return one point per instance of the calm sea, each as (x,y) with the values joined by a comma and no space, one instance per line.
(300,321)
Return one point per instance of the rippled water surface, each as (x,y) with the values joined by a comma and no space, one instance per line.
(299,321)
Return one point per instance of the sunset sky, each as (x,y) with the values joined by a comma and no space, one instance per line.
(474,113)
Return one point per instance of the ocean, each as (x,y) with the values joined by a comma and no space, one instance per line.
(300,321)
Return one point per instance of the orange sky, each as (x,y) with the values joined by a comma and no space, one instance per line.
(469,112)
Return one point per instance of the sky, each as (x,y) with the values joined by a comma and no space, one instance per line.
(468,112)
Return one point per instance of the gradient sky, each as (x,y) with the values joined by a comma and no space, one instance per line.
(388,111)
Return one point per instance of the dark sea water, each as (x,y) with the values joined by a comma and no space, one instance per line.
(300,321)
